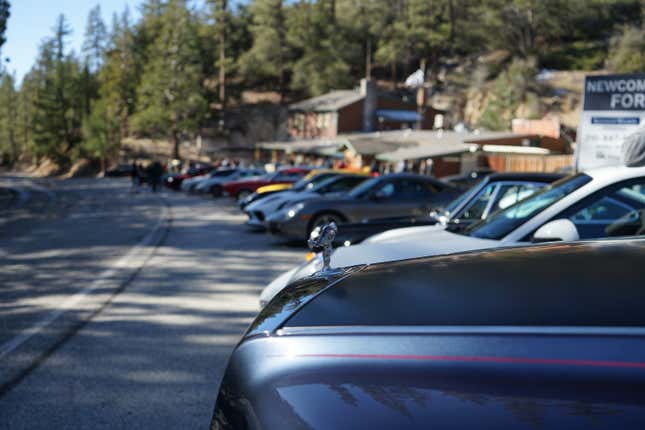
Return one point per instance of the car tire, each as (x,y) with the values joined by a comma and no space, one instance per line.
(242,194)
(322,219)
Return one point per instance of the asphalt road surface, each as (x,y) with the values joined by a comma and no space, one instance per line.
(119,310)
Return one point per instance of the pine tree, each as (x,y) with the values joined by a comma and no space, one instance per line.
(170,96)
(5,9)
(58,109)
(9,144)
(319,46)
(101,132)
(95,40)
(268,57)
(119,76)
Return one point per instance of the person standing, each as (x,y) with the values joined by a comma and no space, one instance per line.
(134,176)
(155,171)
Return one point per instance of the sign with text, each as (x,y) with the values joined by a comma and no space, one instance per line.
(613,108)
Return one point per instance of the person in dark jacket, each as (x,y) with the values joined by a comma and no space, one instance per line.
(134,176)
(155,171)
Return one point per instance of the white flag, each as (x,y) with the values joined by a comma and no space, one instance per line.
(415,80)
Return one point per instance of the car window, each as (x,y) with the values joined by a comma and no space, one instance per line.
(340,184)
(222,173)
(386,191)
(506,220)
(365,188)
(409,189)
(611,212)
(475,210)
(508,195)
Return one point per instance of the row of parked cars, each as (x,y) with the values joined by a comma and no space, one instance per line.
(514,303)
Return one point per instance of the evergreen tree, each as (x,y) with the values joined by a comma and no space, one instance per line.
(58,108)
(170,96)
(9,144)
(268,57)
(5,9)
(317,39)
(119,77)
(95,40)
(101,131)
(627,51)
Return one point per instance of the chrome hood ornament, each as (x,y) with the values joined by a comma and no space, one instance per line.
(320,240)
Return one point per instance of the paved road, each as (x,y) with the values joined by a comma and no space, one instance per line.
(153,358)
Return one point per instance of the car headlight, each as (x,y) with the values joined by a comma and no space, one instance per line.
(293,210)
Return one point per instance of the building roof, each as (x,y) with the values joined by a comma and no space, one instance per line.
(399,145)
(329,102)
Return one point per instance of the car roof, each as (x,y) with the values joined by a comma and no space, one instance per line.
(594,283)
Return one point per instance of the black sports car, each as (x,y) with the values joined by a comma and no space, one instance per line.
(493,192)
(400,194)
(550,336)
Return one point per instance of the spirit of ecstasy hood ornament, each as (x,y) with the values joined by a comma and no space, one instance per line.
(321,239)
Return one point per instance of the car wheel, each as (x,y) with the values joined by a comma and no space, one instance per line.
(242,194)
(321,220)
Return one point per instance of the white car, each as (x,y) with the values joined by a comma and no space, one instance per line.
(604,202)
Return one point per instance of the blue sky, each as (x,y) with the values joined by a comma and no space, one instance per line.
(33,20)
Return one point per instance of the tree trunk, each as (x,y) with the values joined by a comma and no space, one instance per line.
(175,145)
(222,53)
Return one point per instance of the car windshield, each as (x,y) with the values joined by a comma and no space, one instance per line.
(310,183)
(345,183)
(450,207)
(505,221)
(362,189)
(222,173)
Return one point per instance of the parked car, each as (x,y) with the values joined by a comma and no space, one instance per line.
(307,181)
(600,203)
(384,196)
(467,180)
(189,184)
(213,185)
(243,188)
(334,184)
(549,336)
(174,181)
(493,192)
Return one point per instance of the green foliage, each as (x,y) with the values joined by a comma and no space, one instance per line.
(95,40)
(183,63)
(9,143)
(101,130)
(59,102)
(170,100)
(267,58)
(514,86)
(5,8)
(627,52)
(319,47)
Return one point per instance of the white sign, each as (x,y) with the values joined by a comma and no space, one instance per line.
(613,108)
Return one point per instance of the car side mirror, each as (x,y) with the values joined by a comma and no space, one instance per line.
(557,230)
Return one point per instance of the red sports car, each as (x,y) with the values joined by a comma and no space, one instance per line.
(243,188)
